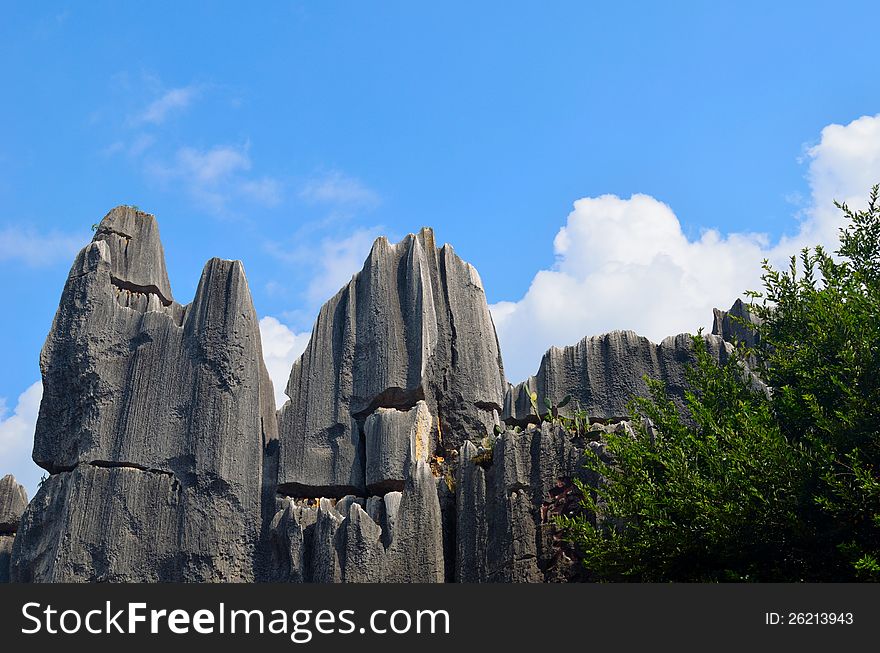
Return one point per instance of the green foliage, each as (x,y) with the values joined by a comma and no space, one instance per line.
(750,485)
(820,351)
(707,498)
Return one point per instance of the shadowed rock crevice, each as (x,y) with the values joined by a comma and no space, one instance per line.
(142,290)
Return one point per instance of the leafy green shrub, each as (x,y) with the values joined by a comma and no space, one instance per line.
(748,485)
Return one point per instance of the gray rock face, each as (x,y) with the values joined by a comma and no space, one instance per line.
(412,325)
(168,461)
(602,373)
(734,325)
(503,531)
(153,421)
(395,439)
(396,538)
(6,544)
(13,501)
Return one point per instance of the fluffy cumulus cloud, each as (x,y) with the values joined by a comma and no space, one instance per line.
(17,438)
(281,347)
(625,263)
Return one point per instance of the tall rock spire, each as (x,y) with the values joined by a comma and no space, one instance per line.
(412,325)
(152,424)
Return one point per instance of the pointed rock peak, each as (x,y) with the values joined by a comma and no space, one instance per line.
(13,501)
(137,259)
(736,324)
(424,238)
(223,292)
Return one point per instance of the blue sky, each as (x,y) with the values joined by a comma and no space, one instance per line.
(701,136)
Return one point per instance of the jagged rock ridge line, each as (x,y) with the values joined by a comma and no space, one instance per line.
(168,461)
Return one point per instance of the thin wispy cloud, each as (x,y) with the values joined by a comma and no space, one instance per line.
(266,190)
(216,176)
(35,248)
(337,188)
(173,101)
(331,261)
(211,166)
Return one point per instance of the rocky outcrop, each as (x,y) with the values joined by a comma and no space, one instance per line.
(504,530)
(603,373)
(736,325)
(13,501)
(152,424)
(394,439)
(413,325)
(395,534)
(168,461)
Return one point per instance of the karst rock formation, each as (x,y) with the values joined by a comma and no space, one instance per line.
(168,461)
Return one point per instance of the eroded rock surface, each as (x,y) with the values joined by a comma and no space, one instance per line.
(413,325)
(13,501)
(153,421)
(504,533)
(396,537)
(736,324)
(168,461)
(603,373)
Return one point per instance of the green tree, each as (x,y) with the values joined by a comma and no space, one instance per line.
(820,351)
(708,495)
(745,483)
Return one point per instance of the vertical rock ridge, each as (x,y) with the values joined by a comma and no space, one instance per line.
(413,325)
(602,373)
(181,390)
(13,501)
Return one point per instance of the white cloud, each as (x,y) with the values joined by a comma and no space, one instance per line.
(35,249)
(339,189)
(626,263)
(17,438)
(212,166)
(216,175)
(281,347)
(172,101)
